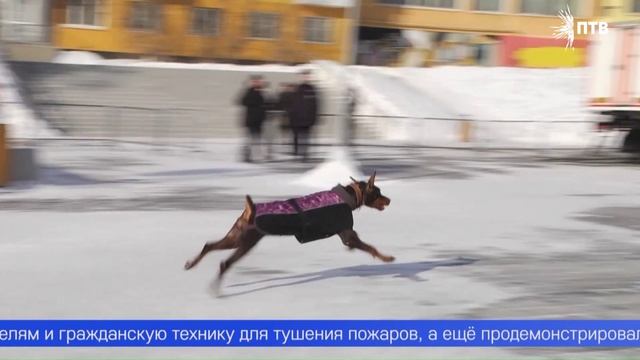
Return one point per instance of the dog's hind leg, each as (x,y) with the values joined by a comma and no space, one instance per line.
(350,238)
(247,241)
(229,241)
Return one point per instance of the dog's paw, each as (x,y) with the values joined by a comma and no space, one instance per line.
(188,265)
(387,259)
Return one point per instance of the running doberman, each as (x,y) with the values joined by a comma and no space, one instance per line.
(308,218)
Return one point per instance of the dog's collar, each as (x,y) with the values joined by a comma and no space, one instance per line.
(359,194)
(347,197)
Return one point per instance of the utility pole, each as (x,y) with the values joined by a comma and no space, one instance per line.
(355,11)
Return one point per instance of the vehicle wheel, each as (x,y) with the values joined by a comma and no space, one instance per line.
(632,142)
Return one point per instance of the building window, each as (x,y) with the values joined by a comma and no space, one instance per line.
(548,7)
(85,12)
(145,15)
(425,3)
(438,3)
(487,5)
(206,21)
(264,25)
(636,6)
(317,29)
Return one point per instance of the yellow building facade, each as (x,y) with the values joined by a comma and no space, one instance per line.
(250,30)
(488,32)
(498,17)
(295,31)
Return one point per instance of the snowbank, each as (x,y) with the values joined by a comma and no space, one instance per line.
(499,93)
(510,106)
(22,122)
(339,167)
(78,57)
(89,58)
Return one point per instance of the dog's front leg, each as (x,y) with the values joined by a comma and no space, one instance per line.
(350,238)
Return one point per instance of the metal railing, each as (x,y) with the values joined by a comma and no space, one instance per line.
(111,121)
(162,124)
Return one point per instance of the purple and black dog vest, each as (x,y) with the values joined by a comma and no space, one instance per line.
(308,218)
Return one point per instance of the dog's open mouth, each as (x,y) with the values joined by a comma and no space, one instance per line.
(381,205)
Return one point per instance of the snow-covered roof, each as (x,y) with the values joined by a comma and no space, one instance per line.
(329,3)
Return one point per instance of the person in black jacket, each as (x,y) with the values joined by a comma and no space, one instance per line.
(304,114)
(253,101)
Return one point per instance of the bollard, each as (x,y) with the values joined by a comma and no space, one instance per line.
(4,156)
(465,131)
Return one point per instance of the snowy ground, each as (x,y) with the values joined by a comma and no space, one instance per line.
(476,234)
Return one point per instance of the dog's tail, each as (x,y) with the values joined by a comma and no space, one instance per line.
(249,213)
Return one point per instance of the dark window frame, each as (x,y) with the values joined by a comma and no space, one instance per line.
(551,7)
(200,18)
(478,7)
(152,12)
(435,4)
(317,29)
(263,25)
(85,13)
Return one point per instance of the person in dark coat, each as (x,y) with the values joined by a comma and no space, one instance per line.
(253,101)
(304,114)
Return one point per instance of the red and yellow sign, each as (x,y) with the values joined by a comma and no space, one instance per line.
(537,52)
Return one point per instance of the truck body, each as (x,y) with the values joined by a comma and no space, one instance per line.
(615,81)
(614,88)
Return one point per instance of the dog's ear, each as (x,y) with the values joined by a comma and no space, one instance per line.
(372,179)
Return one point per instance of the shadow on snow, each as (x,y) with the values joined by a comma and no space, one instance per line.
(403,270)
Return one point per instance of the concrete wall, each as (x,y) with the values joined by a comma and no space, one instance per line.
(117,101)
(28,52)
(25,21)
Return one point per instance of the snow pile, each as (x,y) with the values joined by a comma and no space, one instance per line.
(338,167)
(499,93)
(389,95)
(553,100)
(22,121)
(78,57)
(89,58)
(511,106)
